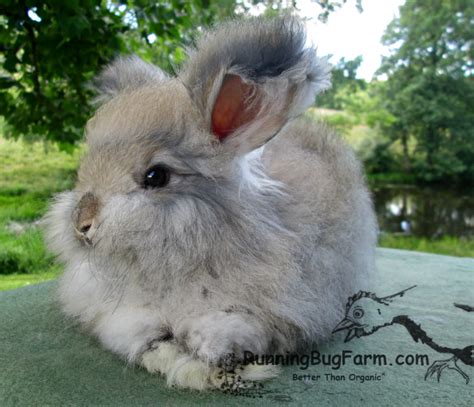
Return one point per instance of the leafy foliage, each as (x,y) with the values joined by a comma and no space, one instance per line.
(344,81)
(330,6)
(362,110)
(430,87)
(51,50)
(158,30)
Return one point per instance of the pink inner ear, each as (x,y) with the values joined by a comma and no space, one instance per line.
(235,106)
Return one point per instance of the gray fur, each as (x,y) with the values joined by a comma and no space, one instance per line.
(125,73)
(238,252)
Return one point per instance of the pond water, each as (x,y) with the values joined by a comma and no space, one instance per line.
(424,211)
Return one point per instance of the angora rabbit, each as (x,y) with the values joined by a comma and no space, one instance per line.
(207,220)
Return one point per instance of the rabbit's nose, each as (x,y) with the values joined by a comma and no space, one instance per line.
(86,231)
(85,220)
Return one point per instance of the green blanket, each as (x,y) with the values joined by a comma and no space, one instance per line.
(46,360)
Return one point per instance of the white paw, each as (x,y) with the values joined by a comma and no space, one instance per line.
(185,371)
(180,369)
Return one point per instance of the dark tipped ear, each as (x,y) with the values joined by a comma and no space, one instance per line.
(125,73)
(249,77)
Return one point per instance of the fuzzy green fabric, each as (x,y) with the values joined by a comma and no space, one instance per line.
(45,360)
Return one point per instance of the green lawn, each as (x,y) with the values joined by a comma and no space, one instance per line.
(451,246)
(32,173)
(12,281)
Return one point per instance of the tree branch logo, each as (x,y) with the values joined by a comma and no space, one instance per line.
(366,314)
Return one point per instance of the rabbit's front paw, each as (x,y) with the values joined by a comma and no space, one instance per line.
(221,338)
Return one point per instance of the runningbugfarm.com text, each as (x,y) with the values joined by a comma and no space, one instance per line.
(337,360)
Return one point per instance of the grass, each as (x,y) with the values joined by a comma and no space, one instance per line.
(392,178)
(452,246)
(12,281)
(32,173)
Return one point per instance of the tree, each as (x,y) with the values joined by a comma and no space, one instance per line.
(344,81)
(430,87)
(158,30)
(51,49)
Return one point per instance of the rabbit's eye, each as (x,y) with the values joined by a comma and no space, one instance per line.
(157,177)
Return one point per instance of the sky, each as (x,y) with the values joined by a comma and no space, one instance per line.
(349,33)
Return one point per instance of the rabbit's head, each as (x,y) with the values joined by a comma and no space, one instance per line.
(162,185)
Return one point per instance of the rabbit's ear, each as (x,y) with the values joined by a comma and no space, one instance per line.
(125,73)
(249,77)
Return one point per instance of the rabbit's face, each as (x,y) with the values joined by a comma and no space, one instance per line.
(151,188)
(159,186)
(146,141)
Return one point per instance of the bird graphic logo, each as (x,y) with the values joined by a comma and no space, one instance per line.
(366,313)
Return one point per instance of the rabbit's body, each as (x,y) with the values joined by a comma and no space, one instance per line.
(241,249)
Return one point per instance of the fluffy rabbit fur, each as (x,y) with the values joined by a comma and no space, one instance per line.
(262,232)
